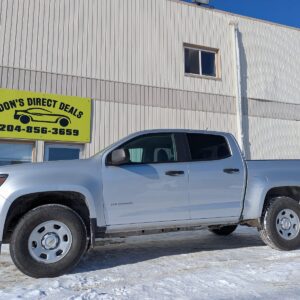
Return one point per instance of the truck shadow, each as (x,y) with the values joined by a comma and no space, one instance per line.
(134,250)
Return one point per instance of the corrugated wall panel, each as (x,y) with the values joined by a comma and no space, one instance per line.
(274,139)
(120,109)
(135,41)
(128,55)
(270,61)
(141,42)
(112,116)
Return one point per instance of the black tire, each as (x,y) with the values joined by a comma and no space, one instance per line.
(223,230)
(269,220)
(64,122)
(24,119)
(19,245)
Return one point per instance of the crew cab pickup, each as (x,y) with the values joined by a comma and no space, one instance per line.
(150,182)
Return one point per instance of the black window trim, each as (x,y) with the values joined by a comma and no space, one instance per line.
(202,160)
(180,144)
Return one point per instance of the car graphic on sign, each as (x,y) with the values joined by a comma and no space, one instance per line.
(41,115)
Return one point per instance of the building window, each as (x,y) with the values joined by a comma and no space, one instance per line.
(200,61)
(54,152)
(15,153)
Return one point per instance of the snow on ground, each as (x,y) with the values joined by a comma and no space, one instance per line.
(193,265)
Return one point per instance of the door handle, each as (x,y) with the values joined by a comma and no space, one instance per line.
(174,173)
(231,171)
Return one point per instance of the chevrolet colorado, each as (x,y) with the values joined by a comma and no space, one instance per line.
(150,182)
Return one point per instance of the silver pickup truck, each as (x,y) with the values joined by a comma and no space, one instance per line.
(148,183)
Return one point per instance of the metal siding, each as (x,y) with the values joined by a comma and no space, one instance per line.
(271,64)
(128,56)
(140,41)
(274,139)
(134,41)
(129,116)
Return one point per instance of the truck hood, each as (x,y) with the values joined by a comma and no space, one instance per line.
(75,175)
(55,166)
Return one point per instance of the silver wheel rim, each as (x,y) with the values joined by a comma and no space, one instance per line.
(287,224)
(49,242)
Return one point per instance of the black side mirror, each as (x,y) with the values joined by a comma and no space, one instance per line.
(119,157)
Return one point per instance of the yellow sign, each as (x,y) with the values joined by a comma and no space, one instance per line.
(38,116)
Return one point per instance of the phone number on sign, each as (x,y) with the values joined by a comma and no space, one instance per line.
(39,130)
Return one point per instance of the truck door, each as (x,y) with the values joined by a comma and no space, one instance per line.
(152,187)
(216,177)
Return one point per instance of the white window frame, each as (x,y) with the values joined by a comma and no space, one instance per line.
(200,50)
(65,146)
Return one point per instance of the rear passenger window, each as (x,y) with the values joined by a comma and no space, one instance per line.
(206,147)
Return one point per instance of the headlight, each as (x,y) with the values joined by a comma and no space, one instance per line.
(3,177)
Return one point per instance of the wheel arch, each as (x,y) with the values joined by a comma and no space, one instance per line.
(23,204)
(260,192)
(292,192)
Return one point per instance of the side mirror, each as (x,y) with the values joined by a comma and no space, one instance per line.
(119,157)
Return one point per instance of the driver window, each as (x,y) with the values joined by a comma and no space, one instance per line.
(152,148)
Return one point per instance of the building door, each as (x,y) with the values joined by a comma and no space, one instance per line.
(151,187)
(54,152)
(12,153)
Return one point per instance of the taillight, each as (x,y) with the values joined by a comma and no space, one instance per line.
(3,178)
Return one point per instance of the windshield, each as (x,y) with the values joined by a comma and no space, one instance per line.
(112,145)
(101,151)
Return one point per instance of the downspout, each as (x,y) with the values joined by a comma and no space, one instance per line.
(238,84)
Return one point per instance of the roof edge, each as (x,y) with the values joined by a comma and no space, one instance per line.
(237,15)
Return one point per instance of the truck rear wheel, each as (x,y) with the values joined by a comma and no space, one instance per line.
(223,230)
(280,224)
(48,241)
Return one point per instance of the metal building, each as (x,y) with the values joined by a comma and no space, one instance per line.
(153,64)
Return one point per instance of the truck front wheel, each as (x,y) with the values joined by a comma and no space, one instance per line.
(280,224)
(223,230)
(48,241)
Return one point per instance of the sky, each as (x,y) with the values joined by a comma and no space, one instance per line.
(285,12)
